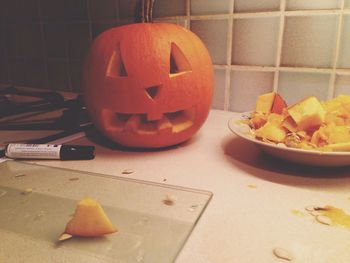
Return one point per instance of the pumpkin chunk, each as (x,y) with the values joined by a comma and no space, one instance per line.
(308,113)
(308,124)
(270,103)
(89,220)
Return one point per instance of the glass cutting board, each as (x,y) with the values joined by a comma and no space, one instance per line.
(36,202)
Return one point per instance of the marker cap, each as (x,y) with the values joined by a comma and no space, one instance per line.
(77,152)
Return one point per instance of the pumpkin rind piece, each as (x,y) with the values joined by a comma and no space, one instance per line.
(89,220)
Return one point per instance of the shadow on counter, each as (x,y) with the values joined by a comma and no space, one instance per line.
(252,160)
(96,137)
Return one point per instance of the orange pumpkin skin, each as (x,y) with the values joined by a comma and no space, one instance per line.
(148,85)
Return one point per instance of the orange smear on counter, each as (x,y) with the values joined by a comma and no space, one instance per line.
(297,212)
(252,186)
(337,215)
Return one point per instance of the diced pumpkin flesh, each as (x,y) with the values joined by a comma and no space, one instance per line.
(271,132)
(308,124)
(264,103)
(307,114)
(270,103)
(89,220)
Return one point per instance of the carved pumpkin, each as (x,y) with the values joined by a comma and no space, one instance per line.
(148,84)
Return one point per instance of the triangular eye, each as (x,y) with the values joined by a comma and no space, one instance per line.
(153,91)
(116,66)
(178,61)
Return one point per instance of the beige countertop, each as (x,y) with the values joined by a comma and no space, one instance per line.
(258,202)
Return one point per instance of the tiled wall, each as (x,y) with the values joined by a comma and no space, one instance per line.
(295,47)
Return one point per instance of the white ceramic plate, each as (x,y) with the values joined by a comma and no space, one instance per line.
(308,157)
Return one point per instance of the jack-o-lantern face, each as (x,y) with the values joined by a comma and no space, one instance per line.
(148,85)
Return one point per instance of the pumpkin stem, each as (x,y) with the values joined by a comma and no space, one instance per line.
(145,11)
(150,10)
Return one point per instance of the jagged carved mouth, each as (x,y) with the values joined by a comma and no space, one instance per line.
(171,122)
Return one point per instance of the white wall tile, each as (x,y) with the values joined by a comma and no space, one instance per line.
(201,7)
(312,4)
(255,41)
(344,58)
(214,35)
(169,8)
(256,5)
(219,89)
(347,4)
(309,41)
(342,85)
(246,86)
(294,86)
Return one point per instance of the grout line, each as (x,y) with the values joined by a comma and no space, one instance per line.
(333,78)
(313,12)
(229,42)
(229,39)
(42,32)
(188,7)
(279,45)
(117,16)
(89,18)
(248,15)
(345,72)
(188,14)
(227,89)
(220,66)
(252,68)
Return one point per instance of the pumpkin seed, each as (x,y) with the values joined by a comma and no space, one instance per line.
(127,171)
(169,200)
(19,175)
(74,179)
(310,208)
(324,220)
(317,208)
(315,213)
(64,236)
(27,191)
(283,254)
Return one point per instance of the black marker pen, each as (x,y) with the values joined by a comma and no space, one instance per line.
(49,151)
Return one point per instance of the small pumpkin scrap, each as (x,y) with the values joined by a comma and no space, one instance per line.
(89,220)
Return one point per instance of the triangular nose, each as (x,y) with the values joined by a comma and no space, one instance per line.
(152,91)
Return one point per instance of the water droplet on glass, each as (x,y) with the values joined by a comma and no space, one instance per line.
(2,192)
(140,255)
(19,175)
(26,215)
(39,215)
(192,208)
(142,221)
